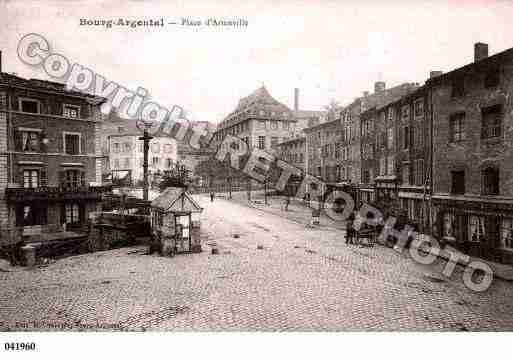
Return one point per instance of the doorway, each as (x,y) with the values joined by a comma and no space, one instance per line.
(183,233)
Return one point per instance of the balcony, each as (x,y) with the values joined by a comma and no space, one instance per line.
(53,193)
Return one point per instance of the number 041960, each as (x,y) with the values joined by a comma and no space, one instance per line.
(19,346)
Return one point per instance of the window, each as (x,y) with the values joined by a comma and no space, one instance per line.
(155,161)
(168,148)
(491,121)
(382,166)
(458,86)
(274,125)
(261,142)
(366,176)
(405,112)
(390,137)
(140,147)
(492,78)
(406,137)
(72,211)
(457,130)
(286,125)
(31,215)
(155,147)
(448,225)
(390,113)
(73,179)
(169,162)
(115,147)
(30,178)
(29,105)
(458,182)
(261,124)
(274,141)
(127,147)
(507,233)
(71,143)
(301,158)
(476,228)
(490,177)
(419,172)
(29,140)
(390,166)
(71,111)
(406,174)
(127,162)
(419,108)
(116,163)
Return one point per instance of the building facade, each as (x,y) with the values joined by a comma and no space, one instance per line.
(126,156)
(473,155)
(260,120)
(323,151)
(50,156)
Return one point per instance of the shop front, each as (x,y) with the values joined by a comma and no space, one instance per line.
(480,229)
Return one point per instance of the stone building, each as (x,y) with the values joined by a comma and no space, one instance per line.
(396,153)
(190,156)
(126,155)
(473,155)
(293,151)
(50,156)
(322,151)
(349,116)
(258,119)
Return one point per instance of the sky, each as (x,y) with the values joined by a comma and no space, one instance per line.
(330,50)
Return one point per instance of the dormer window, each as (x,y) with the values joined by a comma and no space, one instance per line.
(29,105)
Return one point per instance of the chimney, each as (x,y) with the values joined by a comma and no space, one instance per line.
(433,74)
(296,99)
(480,51)
(379,86)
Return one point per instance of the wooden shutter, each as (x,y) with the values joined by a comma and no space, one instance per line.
(18,145)
(82,147)
(20,176)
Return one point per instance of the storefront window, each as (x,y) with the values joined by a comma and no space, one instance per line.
(507,233)
(476,229)
(448,228)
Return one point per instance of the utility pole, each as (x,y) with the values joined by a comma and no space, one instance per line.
(146,147)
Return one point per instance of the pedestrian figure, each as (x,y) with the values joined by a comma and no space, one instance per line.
(350,232)
(307,199)
(287,202)
(212,196)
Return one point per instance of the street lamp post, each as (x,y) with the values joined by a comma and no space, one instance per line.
(146,147)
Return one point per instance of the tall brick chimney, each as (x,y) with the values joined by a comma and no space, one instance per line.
(379,86)
(480,51)
(296,99)
(433,74)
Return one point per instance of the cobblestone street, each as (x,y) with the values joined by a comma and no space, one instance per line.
(302,279)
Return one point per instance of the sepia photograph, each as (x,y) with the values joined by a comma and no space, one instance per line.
(278,174)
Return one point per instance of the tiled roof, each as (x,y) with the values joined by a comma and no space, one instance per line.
(44,85)
(176,200)
(259,100)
